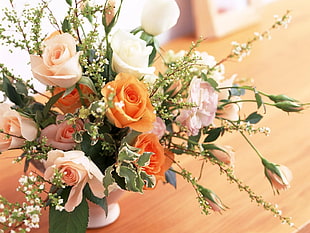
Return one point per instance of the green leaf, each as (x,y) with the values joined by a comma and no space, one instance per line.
(12,93)
(254,118)
(128,153)
(50,103)
(258,99)
(210,146)
(66,26)
(213,134)
(213,83)
(69,2)
(178,151)
(149,180)
(102,202)
(68,91)
(192,139)
(69,222)
(131,137)
(21,88)
(131,176)
(87,82)
(147,38)
(88,148)
(108,138)
(144,159)
(108,179)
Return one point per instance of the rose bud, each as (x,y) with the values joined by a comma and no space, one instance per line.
(289,106)
(213,200)
(159,16)
(224,154)
(279,176)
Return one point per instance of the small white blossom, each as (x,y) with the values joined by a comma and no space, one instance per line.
(2,219)
(120,104)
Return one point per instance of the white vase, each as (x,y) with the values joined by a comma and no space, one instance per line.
(98,217)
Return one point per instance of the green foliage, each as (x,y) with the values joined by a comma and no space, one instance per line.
(254,118)
(258,99)
(11,92)
(69,222)
(102,202)
(214,133)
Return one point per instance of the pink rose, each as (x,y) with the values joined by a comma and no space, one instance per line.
(59,64)
(226,155)
(159,128)
(16,128)
(77,170)
(205,98)
(59,136)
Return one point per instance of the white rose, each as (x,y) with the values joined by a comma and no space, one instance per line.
(159,16)
(130,54)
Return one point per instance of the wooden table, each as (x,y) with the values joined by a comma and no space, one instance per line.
(278,66)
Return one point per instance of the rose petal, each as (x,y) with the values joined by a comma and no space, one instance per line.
(75,196)
(40,70)
(95,183)
(28,128)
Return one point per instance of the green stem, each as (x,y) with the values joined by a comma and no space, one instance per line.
(249,142)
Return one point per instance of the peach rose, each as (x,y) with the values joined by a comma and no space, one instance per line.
(132,106)
(71,102)
(59,63)
(77,170)
(20,128)
(160,161)
(59,136)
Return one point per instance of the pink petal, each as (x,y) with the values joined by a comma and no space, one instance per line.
(75,196)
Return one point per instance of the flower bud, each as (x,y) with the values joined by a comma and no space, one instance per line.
(230,111)
(213,200)
(280,98)
(110,10)
(279,176)
(289,106)
(159,16)
(224,154)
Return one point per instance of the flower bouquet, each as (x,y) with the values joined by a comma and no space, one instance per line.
(111,119)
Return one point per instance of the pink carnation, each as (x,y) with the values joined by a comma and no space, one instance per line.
(202,94)
(159,128)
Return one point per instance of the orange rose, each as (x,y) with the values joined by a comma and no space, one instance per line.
(132,106)
(72,101)
(160,161)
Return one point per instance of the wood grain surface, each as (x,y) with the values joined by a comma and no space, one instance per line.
(280,66)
